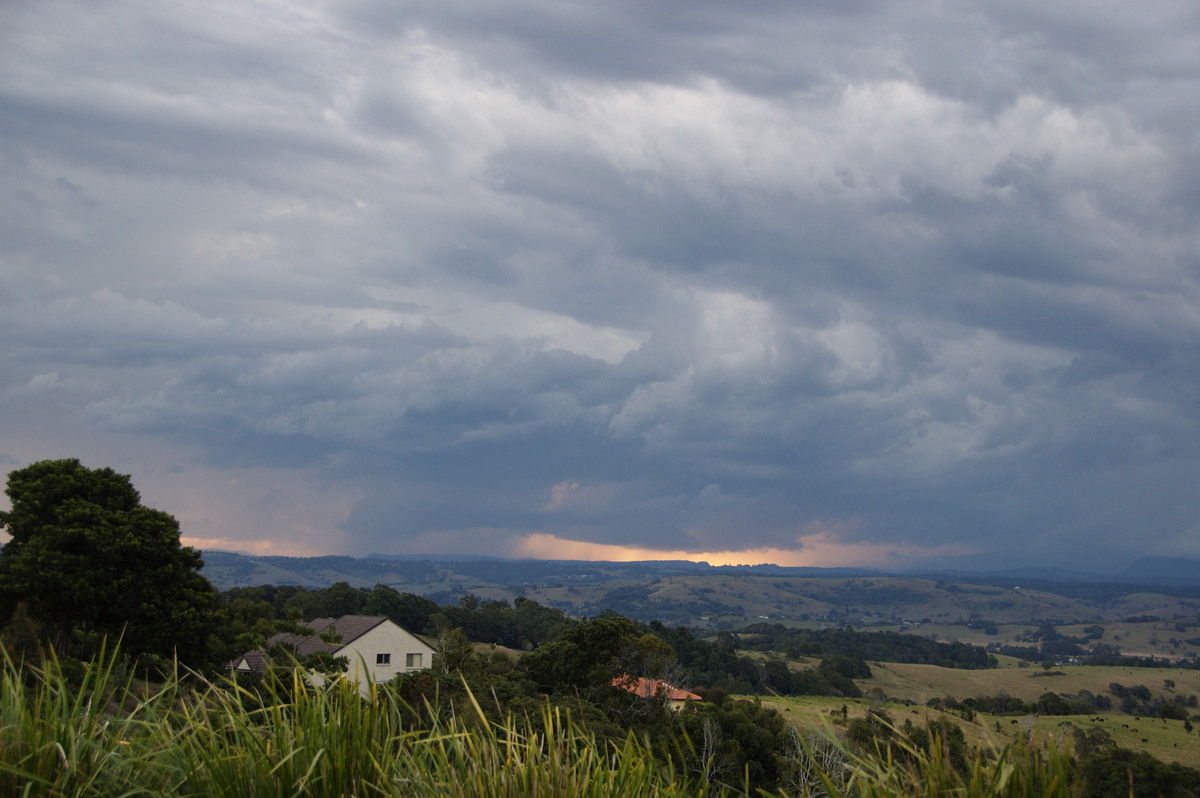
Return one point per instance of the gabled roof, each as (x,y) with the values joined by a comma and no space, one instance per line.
(644,687)
(348,627)
(251,660)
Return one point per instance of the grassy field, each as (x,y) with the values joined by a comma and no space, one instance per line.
(1165,739)
(919,683)
(1163,638)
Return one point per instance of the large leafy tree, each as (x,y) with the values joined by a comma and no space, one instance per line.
(88,559)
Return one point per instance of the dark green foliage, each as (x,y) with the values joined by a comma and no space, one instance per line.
(829,678)
(90,561)
(1092,741)
(587,655)
(742,739)
(987,627)
(1119,771)
(1138,700)
(1137,691)
(874,646)
(1051,704)
(523,624)
(408,610)
(1060,648)
(710,662)
(1000,704)
(870,734)
(21,639)
(949,734)
(849,667)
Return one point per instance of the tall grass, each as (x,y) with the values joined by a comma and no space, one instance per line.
(111,736)
(59,739)
(1018,769)
(108,734)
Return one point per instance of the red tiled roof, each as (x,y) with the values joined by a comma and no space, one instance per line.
(648,688)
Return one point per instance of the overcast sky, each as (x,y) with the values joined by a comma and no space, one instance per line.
(855,282)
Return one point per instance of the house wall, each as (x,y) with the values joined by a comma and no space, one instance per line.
(386,638)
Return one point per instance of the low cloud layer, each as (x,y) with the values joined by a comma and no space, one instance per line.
(842,284)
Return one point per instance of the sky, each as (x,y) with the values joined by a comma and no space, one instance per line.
(815,283)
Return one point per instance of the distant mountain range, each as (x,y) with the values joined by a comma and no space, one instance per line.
(699,594)
(228,569)
(1163,570)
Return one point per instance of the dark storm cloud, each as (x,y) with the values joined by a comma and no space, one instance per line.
(911,282)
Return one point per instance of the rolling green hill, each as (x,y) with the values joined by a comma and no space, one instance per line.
(696,594)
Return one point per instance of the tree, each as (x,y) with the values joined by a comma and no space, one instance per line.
(21,640)
(452,651)
(1115,771)
(587,655)
(1090,742)
(89,560)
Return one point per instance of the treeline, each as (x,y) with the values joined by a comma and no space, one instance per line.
(1098,654)
(874,646)
(1135,700)
(1052,646)
(523,624)
(255,613)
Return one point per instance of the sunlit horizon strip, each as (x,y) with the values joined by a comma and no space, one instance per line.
(820,550)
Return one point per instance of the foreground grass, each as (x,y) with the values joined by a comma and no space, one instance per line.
(112,735)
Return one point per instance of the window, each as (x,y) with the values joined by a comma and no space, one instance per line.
(412,661)
(383,659)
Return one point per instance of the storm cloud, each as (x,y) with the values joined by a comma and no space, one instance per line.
(823,283)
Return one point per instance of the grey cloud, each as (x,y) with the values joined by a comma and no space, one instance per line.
(630,274)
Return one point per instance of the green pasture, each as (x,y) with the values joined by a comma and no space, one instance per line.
(1164,739)
(919,683)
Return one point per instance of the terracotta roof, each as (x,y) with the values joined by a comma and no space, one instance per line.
(648,688)
(349,627)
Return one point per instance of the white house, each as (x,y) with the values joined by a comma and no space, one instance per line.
(375,647)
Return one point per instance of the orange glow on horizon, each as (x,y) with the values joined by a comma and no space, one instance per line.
(817,550)
(821,549)
(264,548)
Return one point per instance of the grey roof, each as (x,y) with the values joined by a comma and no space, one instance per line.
(348,627)
(255,660)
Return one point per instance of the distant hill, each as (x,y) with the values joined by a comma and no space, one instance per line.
(1015,575)
(1163,571)
(698,594)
